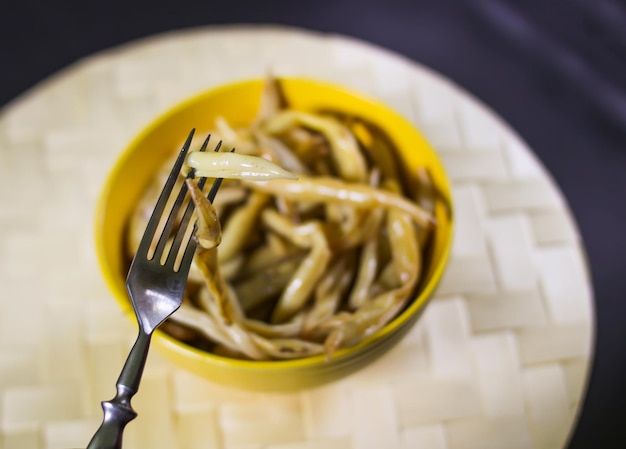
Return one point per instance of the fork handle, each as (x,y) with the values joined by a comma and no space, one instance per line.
(118,411)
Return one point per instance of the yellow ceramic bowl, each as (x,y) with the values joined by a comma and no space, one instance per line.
(238,103)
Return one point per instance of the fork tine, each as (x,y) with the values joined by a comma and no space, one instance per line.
(153,223)
(206,143)
(171,219)
(185,262)
(191,245)
(184,222)
(169,224)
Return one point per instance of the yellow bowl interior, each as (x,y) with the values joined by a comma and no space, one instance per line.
(238,104)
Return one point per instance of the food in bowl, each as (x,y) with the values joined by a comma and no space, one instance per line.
(304,266)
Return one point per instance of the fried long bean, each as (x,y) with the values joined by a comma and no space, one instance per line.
(345,150)
(325,189)
(309,236)
(348,329)
(366,274)
(240,225)
(330,291)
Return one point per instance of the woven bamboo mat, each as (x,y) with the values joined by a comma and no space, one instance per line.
(499,360)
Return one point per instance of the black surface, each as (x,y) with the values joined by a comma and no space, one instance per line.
(555,70)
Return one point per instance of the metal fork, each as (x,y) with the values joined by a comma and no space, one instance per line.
(155,285)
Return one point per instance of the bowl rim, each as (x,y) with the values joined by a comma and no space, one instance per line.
(120,295)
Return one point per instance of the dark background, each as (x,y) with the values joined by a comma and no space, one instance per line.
(555,70)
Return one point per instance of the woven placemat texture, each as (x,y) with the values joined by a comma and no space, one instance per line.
(499,360)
